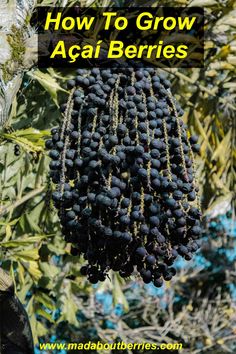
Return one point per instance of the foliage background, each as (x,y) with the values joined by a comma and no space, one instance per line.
(198,306)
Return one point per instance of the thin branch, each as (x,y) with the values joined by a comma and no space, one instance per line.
(201,87)
(4,210)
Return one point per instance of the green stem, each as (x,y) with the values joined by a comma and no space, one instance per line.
(201,87)
(4,210)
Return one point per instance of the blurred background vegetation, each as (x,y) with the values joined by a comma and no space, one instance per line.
(197,308)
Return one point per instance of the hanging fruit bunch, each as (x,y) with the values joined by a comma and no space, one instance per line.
(123,165)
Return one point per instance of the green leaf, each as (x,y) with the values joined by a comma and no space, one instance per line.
(32,134)
(45,314)
(24,143)
(118,295)
(201,130)
(69,306)
(48,82)
(26,255)
(49,270)
(45,300)
(11,223)
(33,268)
(223,148)
(23,242)
(202,3)
(41,330)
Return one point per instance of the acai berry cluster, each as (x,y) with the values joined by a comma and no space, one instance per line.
(122,162)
